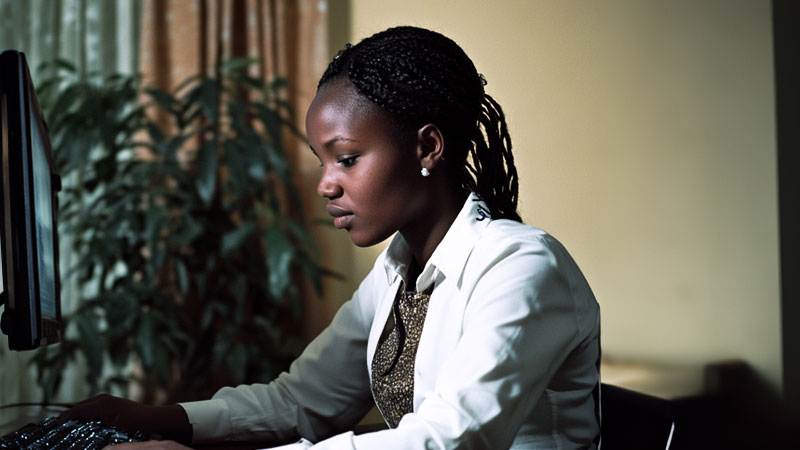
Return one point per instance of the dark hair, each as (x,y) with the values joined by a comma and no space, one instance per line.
(420,77)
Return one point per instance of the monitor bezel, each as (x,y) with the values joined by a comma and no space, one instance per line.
(23,321)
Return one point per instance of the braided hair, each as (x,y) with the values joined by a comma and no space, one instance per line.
(420,77)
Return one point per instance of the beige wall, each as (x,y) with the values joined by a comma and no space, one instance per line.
(644,137)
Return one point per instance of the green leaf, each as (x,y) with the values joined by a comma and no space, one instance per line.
(279,257)
(145,340)
(255,83)
(209,99)
(156,135)
(279,83)
(271,120)
(44,88)
(163,98)
(236,362)
(92,344)
(106,168)
(58,63)
(185,83)
(239,291)
(236,110)
(237,162)
(122,311)
(312,270)
(206,180)
(155,220)
(174,144)
(299,232)
(188,231)
(232,240)
(68,99)
(237,63)
(182,275)
(220,350)
(161,365)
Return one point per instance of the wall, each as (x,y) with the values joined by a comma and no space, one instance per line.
(644,137)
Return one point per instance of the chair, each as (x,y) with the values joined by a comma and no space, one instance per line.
(631,420)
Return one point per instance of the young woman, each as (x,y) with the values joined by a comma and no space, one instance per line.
(472,330)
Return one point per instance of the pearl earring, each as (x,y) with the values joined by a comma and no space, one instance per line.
(425,172)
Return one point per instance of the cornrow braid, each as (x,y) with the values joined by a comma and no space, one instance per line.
(420,77)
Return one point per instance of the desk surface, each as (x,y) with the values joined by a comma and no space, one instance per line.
(14,418)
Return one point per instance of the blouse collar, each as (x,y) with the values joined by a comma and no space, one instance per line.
(450,256)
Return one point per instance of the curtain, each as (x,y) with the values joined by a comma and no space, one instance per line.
(287,38)
(185,37)
(96,36)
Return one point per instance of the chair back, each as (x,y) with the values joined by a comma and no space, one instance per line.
(631,420)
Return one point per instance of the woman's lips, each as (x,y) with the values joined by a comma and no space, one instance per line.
(341,217)
(343,221)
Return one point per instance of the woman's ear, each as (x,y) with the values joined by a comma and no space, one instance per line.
(430,146)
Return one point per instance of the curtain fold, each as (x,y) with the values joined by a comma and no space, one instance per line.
(288,39)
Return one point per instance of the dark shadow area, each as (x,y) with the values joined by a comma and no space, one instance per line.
(633,420)
(786,35)
(741,411)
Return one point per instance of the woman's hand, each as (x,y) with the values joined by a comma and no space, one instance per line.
(111,410)
(149,445)
(169,421)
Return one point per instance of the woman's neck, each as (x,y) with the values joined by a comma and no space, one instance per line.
(425,236)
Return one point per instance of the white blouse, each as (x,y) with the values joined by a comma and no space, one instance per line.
(508,356)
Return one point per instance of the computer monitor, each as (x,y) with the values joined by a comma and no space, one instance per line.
(28,200)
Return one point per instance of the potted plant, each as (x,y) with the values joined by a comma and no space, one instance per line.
(186,229)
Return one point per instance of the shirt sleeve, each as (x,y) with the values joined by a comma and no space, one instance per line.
(325,391)
(524,316)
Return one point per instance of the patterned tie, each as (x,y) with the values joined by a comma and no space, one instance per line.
(393,363)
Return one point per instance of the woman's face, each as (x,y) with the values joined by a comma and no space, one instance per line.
(370,171)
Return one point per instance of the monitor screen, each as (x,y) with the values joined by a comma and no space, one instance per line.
(43,213)
(31,286)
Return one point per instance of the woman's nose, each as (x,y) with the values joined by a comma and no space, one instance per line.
(328,187)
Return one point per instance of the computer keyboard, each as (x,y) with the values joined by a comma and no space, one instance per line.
(57,433)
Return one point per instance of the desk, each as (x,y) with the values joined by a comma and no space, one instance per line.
(667,381)
(12,419)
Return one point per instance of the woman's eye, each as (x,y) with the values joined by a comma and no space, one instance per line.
(348,161)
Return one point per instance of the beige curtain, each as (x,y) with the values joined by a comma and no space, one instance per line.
(185,37)
(289,38)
